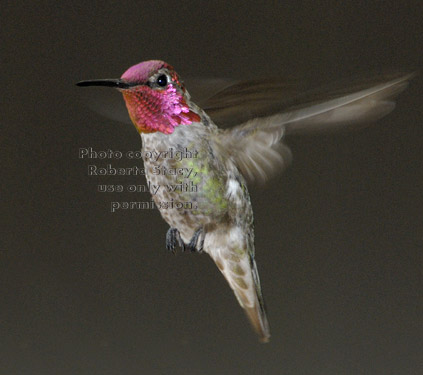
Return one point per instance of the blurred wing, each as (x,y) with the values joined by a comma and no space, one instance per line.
(256,148)
(106,102)
(255,145)
(243,101)
(202,89)
(240,102)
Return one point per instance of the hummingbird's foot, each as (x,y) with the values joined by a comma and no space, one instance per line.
(173,237)
(192,246)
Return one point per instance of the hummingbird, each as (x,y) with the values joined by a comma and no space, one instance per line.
(217,217)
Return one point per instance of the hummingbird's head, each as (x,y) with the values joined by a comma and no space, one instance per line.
(154,95)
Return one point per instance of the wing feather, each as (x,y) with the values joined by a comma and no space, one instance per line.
(256,148)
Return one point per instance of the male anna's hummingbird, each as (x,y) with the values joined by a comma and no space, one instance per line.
(217,217)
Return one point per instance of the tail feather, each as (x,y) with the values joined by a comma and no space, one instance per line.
(262,328)
(243,278)
(259,322)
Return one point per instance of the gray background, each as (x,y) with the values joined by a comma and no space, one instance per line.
(338,236)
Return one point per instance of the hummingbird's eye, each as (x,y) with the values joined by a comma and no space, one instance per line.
(162,80)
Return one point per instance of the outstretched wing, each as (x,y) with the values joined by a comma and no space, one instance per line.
(255,146)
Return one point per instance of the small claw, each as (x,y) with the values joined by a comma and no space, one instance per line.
(192,246)
(173,237)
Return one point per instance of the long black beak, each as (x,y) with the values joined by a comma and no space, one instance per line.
(117,83)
